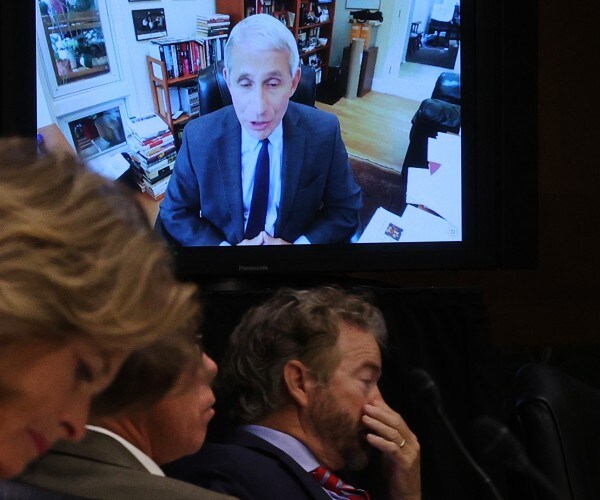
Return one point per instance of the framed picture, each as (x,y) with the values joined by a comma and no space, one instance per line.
(363,4)
(149,23)
(96,130)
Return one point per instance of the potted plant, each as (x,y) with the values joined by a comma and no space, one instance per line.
(93,48)
(66,49)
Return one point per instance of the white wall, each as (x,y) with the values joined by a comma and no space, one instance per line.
(394,19)
(422,12)
(131,54)
(181,21)
(341,32)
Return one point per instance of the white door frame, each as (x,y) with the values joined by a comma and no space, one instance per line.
(390,82)
(410,86)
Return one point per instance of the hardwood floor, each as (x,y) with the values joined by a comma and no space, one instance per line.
(375,126)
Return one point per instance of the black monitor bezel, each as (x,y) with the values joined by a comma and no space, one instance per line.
(499,130)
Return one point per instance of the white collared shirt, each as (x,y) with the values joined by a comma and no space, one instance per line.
(250,149)
(150,465)
(292,447)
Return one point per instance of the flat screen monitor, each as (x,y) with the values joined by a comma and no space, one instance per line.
(463,195)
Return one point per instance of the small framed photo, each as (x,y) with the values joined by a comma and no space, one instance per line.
(363,4)
(149,23)
(96,130)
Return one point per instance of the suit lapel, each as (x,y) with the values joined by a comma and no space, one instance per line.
(229,164)
(249,440)
(294,144)
(98,447)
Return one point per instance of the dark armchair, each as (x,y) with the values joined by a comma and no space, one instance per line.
(440,113)
(214,94)
(557,417)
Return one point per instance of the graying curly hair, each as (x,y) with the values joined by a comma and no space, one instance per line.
(293,324)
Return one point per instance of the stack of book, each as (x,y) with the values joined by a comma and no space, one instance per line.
(212,32)
(152,154)
(213,26)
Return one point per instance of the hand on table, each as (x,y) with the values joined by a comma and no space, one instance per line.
(257,240)
(270,240)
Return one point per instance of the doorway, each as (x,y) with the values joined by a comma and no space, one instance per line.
(434,34)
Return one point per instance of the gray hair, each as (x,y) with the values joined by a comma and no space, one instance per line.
(264,32)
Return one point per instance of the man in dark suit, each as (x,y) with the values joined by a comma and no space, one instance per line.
(119,457)
(264,171)
(302,373)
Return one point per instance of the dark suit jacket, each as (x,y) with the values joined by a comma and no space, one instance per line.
(247,467)
(100,467)
(319,197)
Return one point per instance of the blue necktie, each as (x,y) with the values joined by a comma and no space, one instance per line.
(260,194)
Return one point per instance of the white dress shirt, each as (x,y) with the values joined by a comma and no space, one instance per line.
(250,150)
(292,447)
(150,465)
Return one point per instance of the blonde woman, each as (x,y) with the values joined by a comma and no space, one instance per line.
(83,286)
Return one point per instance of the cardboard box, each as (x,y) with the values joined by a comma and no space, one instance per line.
(365,33)
(354,31)
(361,30)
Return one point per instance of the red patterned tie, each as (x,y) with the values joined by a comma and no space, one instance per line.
(333,483)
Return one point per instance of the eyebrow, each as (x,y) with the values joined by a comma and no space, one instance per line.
(369,365)
(272,74)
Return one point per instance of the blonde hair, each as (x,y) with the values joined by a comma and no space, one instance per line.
(78,259)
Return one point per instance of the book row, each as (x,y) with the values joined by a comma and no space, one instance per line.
(186,58)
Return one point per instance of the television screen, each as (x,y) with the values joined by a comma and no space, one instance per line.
(436,110)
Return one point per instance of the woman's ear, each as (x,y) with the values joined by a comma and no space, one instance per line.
(299,381)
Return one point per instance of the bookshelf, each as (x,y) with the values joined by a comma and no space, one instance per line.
(174,64)
(160,84)
(300,16)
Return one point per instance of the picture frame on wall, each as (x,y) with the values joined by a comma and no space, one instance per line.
(149,23)
(363,4)
(97,130)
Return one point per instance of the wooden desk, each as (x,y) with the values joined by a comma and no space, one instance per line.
(54,139)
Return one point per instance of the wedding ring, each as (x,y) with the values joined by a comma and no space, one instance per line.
(403,443)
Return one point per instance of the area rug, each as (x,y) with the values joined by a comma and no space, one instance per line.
(443,57)
(381,187)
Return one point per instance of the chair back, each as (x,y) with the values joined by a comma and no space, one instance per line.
(213,93)
(414,28)
(558,417)
(447,88)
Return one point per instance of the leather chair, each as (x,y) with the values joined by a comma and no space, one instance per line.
(557,417)
(440,113)
(214,94)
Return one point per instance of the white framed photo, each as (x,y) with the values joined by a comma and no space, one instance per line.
(96,130)
(363,4)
